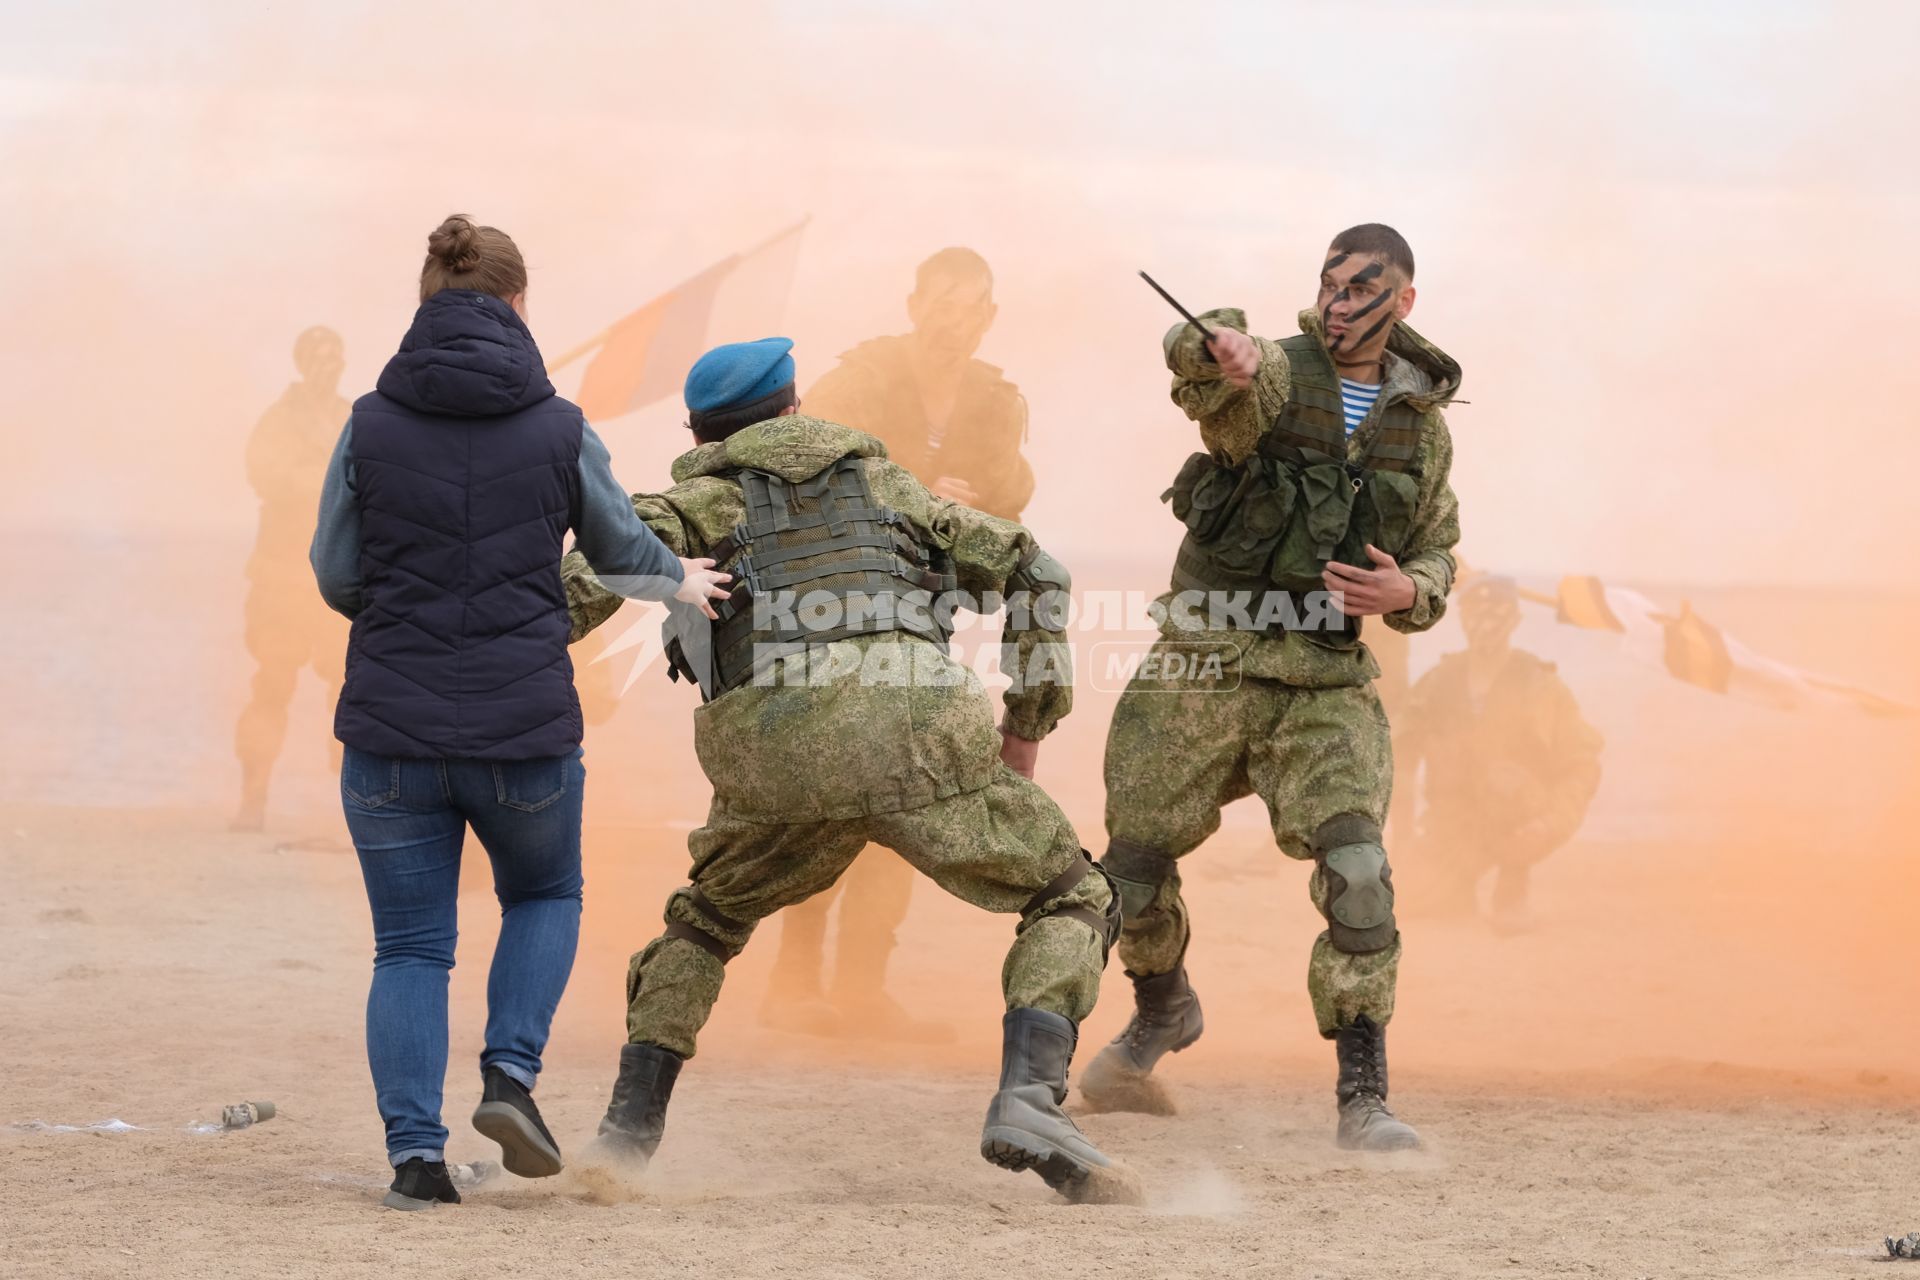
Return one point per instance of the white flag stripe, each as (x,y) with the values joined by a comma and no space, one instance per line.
(751,302)
(1754,677)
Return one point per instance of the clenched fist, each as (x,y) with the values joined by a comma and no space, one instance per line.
(1237,354)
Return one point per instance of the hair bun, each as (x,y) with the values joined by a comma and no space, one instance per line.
(452,242)
(471,256)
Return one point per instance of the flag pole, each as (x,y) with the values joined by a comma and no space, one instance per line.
(590,344)
(599,339)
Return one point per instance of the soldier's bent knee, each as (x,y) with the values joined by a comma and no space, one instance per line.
(1358,884)
(1137,872)
(708,940)
(1055,898)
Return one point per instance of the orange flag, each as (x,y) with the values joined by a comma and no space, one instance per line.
(644,357)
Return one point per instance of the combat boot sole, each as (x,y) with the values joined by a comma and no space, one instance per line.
(1019,1151)
(1026,1129)
(1071,1175)
(524,1150)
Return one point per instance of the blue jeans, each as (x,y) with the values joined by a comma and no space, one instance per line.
(408,819)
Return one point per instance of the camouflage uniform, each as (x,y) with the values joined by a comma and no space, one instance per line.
(808,769)
(1289,715)
(873,389)
(286,626)
(1509,773)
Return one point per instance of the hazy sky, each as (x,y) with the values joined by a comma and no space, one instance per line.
(1665,240)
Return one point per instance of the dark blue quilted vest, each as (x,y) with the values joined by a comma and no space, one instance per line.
(467,470)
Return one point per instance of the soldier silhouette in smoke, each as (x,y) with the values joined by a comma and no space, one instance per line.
(957,424)
(952,420)
(1511,764)
(288,627)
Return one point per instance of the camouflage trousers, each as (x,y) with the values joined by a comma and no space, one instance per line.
(1180,750)
(286,629)
(997,847)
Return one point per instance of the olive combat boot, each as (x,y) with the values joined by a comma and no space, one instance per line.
(1365,1122)
(636,1119)
(1166,1019)
(1026,1129)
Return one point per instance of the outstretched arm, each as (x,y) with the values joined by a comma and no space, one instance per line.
(589,602)
(611,536)
(1234,402)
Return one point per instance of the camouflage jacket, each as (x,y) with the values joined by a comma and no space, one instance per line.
(1233,419)
(1520,754)
(287,457)
(873,389)
(840,743)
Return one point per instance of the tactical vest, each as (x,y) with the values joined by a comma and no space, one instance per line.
(1276,518)
(813,562)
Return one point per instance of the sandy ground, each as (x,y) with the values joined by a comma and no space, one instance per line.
(153,967)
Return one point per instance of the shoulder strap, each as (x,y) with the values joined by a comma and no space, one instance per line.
(1308,360)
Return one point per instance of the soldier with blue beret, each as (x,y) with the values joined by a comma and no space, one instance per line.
(741,375)
(834,717)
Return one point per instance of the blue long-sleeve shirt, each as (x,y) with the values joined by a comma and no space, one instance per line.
(626,555)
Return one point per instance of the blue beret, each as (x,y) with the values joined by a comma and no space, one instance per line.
(739,373)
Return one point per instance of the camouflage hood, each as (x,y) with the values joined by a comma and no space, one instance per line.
(793,447)
(1428,376)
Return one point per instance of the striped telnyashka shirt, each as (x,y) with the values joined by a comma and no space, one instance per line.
(1357,399)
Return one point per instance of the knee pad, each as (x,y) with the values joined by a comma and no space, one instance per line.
(1136,873)
(1358,884)
(1105,924)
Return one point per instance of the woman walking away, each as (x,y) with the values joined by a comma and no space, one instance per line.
(442,523)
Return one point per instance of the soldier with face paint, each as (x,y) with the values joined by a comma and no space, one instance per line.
(1322,499)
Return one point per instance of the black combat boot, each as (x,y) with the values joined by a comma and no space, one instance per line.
(418,1184)
(630,1132)
(1166,1019)
(507,1115)
(1365,1122)
(1026,1129)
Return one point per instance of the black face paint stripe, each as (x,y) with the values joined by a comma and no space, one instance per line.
(1334,262)
(1370,306)
(1367,273)
(1326,314)
(1378,325)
